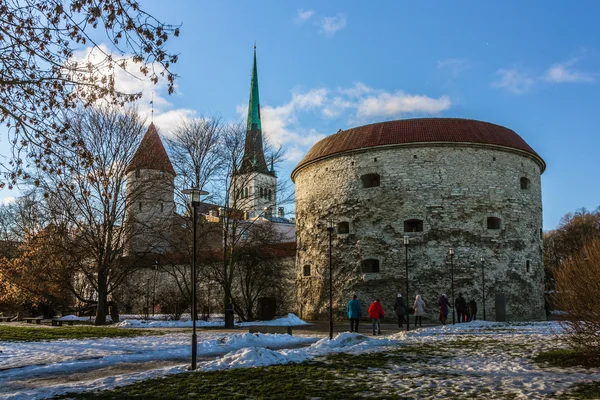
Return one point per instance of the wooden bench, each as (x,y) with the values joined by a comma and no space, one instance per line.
(30,320)
(59,322)
(270,329)
(5,319)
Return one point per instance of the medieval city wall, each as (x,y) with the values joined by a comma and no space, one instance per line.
(452,189)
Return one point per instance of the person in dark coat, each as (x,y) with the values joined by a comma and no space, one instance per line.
(461,306)
(444,304)
(472,310)
(400,309)
(354,313)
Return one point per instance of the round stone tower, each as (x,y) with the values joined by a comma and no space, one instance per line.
(445,183)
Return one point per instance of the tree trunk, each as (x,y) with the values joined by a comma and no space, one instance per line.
(102,304)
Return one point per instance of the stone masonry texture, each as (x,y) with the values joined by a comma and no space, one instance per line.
(453,188)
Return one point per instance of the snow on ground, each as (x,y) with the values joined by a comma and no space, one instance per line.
(289,320)
(475,359)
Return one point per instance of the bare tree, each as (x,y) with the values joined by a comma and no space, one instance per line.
(84,191)
(40,78)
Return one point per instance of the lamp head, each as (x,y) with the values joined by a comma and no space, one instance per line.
(195,194)
(406,240)
(450,251)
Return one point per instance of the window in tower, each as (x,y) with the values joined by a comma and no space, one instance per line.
(137,172)
(261,193)
(370,266)
(270,195)
(525,183)
(370,180)
(493,223)
(245,192)
(413,225)
(140,206)
(343,228)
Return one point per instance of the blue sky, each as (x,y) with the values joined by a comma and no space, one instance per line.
(531,66)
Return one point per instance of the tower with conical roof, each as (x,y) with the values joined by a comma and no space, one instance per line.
(254,185)
(150,197)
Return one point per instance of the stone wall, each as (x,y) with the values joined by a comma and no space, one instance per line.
(452,189)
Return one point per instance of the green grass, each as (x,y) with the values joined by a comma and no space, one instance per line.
(337,376)
(27,334)
(568,358)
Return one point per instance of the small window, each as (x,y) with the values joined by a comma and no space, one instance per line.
(306,271)
(415,156)
(375,159)
(245,192)
(413,225)
(343,228)
(527,265)
(370,266)
(525,183)
(494,158)
(370,180)
(162,174)
(140,206)
(270,195)
(541,234)
(261,193)
(162,207)
(137,172)
(493,223)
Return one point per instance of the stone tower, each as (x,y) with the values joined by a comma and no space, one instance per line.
(150,197)
(472,186)
(254,183)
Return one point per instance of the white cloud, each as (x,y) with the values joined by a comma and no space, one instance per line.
(330,25)
(357,104)
(454,65)
(564,73)
(303,15)
(133,81)
(395,104)
(7,200)
(514,81)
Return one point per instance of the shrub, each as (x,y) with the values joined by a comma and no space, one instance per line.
(578,294)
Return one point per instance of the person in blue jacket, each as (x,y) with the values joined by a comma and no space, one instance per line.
(354,313)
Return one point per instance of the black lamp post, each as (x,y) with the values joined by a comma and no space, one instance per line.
(330,230)
(451,254)
(194,194)
(483,284)
(406,238)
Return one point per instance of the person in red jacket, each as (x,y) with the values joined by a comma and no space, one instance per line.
(376,313)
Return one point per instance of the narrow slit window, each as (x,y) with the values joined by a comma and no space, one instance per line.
(527,265)
(370,266)
(262,196)
(306,271)
(343,228)
(413,225)
(370,180)
(493,223)
(270,195)
(140,206)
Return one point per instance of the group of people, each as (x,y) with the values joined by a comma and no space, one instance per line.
(466,311)
(376,312)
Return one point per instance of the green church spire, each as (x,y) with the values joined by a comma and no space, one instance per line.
(254,157)
(254,104)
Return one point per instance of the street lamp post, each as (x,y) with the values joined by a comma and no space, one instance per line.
(483,284)
(406,239)
(194,194)
(451,253)
(330,230)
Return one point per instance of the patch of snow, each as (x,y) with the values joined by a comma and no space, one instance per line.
(289,320)
(73,318)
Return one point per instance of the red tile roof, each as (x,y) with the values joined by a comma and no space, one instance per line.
(151,154)
(420,130)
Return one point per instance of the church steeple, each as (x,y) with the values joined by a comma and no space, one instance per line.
(254,157)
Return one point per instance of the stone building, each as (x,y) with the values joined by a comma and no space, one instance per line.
(447,183)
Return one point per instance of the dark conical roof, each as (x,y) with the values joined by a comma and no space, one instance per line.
(151,154)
